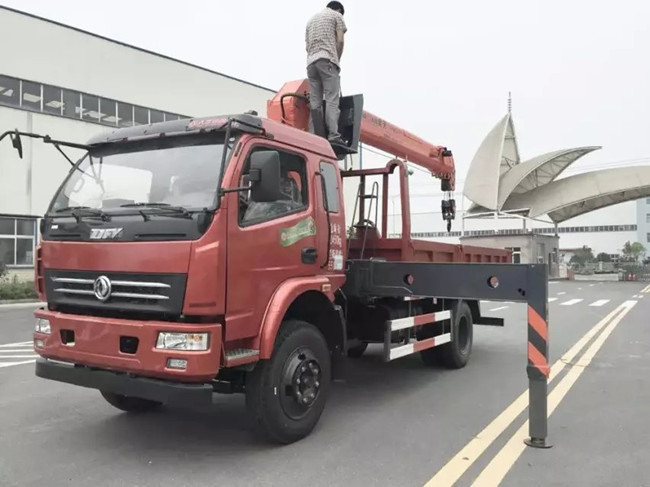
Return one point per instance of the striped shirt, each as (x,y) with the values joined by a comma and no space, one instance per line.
(320,36)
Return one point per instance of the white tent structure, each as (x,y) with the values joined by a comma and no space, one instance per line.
(499,183)
(576,195)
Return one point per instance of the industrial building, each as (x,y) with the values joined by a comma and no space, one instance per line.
(72,85)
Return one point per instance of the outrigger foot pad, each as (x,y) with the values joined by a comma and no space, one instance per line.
(538,443)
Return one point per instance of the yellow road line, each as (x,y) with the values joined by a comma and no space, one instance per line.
(465,458)
(501,464)
(646,289)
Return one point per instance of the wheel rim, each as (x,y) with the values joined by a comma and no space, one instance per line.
(463,335)
(301,383)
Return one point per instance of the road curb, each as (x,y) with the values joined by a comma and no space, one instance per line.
(20,303)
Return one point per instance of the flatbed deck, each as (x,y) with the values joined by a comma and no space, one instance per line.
(411,250)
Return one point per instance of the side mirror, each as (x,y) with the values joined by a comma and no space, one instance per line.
(17,143)
(265,176)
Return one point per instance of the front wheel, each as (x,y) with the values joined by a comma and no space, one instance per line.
(130,404)
(286,395)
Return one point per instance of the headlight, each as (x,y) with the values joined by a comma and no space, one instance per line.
(43,326)
(182,341)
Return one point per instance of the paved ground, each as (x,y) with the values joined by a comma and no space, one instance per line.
(388,425)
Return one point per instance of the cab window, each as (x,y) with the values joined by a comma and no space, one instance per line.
(293,181)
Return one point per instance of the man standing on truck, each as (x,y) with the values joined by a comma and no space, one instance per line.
(324,44)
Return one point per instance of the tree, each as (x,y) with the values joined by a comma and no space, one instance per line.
(603,257)
(582,256)
(633,251)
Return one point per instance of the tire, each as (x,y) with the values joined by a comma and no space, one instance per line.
(281,410)
(455,354)
(130,404)
(357,351)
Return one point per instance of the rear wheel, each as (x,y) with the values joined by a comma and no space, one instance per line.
(455,354)
(130,404)
(286,395)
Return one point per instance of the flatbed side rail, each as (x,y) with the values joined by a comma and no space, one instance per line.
(524,283)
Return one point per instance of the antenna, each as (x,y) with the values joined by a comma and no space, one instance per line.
(509,102)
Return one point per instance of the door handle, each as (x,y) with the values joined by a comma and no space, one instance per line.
(308,255)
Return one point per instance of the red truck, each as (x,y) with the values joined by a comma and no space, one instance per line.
(206,255)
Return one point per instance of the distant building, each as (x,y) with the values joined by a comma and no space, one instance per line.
(71,85)
(527,248)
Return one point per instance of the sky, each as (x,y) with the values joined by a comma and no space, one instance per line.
(578,70)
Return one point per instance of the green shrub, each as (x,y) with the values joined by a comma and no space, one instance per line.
(15,289)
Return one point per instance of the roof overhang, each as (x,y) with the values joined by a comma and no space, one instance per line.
(569,197)
(538,171)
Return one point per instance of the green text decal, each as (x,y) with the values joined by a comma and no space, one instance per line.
(302,229)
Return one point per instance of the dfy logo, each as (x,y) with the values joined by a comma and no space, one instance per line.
(104,233)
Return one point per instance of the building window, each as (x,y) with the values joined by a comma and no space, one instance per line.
(31,96)
(108,111)
(17,237)
(90,105)
(71,104)
(647,237)
(52,100)
(55,100)
(9,91)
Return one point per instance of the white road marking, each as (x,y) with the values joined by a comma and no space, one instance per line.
(550,300)
(10,364)
(14,354)
(560,294)
(499,308)
(571,302)
(600,302)
(21,305)
(591,285)
(18,344)
(579,289)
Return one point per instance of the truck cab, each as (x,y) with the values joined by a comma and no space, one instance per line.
(174,251)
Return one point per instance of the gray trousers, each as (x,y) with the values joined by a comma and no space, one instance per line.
(325,86)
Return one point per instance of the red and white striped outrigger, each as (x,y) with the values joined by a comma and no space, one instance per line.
(392,353)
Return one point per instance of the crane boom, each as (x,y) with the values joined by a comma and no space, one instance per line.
(290,106)
(394,140)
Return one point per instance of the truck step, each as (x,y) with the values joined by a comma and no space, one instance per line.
(392,353)
(418,346)
(240,356)
(419,320)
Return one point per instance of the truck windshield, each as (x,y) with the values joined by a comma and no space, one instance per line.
(183,176)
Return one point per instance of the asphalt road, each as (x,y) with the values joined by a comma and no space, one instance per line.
(395,424)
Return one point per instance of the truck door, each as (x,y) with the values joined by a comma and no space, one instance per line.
(268,242)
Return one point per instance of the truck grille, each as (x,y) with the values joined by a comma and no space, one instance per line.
(152,293)
(119,289)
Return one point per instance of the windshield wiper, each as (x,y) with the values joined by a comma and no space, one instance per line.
(159,208)
(78,211)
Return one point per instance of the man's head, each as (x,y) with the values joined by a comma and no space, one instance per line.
(338,6)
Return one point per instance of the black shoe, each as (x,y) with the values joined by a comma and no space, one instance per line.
(337,139)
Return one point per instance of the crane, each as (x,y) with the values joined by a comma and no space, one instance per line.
(357,125)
